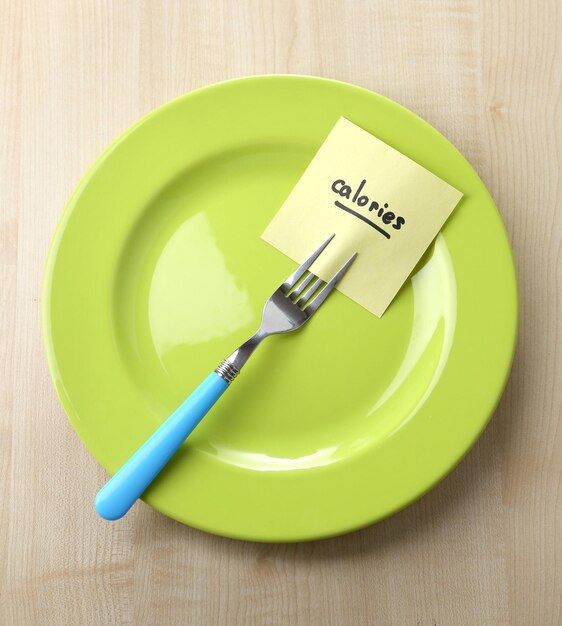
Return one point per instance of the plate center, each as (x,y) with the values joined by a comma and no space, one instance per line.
(190,287)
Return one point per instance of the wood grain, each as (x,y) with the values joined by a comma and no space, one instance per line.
(482,548)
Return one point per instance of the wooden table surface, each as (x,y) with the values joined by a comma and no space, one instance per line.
(485,546)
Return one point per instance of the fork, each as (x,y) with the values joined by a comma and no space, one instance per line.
(288,308)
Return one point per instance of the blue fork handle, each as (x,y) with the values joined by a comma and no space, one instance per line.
(119,494)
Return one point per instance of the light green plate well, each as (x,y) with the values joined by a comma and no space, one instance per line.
(157,272)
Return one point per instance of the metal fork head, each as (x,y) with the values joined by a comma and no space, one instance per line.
(288,308)
(299,297)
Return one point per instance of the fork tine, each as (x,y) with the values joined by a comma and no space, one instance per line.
(293,278)
(303,285)
(311,308)
(309,292)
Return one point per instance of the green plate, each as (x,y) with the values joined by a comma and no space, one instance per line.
(157,272)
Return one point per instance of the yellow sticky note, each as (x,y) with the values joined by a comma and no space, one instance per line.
(378,202)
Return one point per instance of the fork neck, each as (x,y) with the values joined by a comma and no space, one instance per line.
(231,366)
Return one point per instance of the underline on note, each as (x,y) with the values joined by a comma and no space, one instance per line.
(362,218)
